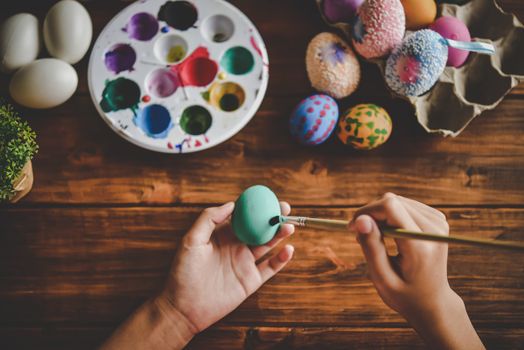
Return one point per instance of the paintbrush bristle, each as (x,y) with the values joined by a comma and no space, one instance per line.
(274,220)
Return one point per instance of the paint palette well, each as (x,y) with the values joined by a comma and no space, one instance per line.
(178,76)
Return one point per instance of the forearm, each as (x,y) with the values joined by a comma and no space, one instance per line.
(153,326)
(448,326)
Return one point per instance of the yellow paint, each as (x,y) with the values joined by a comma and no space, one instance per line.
(175,54)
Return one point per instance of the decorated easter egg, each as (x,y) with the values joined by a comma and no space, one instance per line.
(314,119)
(68,31)
(332,66)
(340,10)
(415,66)
(253,212)
(378,27)
(453,28)
(419,13)
(19,42)
(365,126)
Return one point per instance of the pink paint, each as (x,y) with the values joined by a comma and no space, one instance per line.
(408,68)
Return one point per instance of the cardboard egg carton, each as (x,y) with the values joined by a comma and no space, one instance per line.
(481,83)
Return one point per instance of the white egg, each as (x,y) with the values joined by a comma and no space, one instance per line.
(45,83)
(68,31)
(19,41)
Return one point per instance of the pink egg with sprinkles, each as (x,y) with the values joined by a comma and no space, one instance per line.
(453,28)
(378,27)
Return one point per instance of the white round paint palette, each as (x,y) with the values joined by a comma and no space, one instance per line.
(178,76)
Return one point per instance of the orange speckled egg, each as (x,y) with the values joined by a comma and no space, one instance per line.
(419,13)
(364,126)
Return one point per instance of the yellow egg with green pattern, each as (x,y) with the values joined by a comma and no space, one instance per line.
(364,126)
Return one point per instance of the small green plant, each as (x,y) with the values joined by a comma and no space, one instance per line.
(17,147)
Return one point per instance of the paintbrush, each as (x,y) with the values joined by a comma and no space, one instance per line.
(330,224)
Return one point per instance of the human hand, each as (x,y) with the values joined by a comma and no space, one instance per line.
(414,283)
(213,272)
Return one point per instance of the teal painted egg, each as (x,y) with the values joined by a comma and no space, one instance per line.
(255,207)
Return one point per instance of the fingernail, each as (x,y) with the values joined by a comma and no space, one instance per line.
(228,205)
(363,224)
(283,256)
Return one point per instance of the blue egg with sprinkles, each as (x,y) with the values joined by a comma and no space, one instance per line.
(415,66)
(314,119)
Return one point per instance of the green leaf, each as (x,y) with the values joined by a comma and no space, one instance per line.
(17,147)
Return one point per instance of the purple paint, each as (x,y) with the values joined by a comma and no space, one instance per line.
(142,26)
(162,83)
(340,10)
(119,58)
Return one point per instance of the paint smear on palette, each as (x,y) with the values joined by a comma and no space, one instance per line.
(119,94)
(237,61)
(197,70)
(255,46)
(180,15)
(119,58)
(142,26)
(155,121)
(196,120)
(226,96)
(162,83)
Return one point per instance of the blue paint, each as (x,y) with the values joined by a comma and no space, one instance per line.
(165,29)
(155,121)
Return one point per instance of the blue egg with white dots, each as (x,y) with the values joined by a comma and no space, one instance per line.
(314,119)
(416,65)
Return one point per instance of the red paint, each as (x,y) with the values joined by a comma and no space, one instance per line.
(255,46)
(326,106)
(197,69)
(169,145)
(198,143)
(310,110)
(318,103)
(319,121)
(322,113)
(146,98)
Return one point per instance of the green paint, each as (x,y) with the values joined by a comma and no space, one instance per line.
(255,207)
(357,123)
(369,113)
(195,120)
(121,93)
(238,60)
(206,95)
(354,139)
(372,140)
(229,102)
(370,125)
(220,37)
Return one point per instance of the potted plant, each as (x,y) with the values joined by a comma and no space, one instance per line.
(17,148)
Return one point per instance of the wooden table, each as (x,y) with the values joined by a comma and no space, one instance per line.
(95,237)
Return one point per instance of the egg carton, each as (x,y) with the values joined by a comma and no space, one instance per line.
(481,83)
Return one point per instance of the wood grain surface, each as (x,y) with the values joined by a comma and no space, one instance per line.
(95,237)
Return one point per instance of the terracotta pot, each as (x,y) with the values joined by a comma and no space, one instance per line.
(23,183)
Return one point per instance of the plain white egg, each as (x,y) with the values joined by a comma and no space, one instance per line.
(68,31)
(19,41)
(45,83)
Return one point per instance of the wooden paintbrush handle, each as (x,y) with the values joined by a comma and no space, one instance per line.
(404,234)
